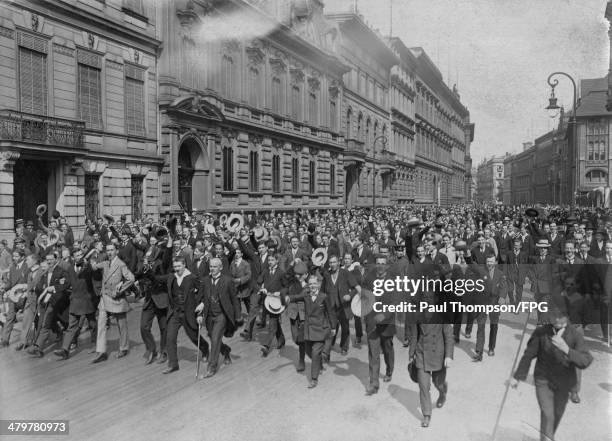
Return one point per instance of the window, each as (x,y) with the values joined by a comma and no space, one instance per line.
(228,77)
(90,104)
(136,198)
(254,87)
(597,136)
(367,139)
(92,196)
(349,117)
(134,101)
(276,174)
(360,127)
(277,94)
(596,176)
(32,81)
(295,175)
(333,115)
(332,179)
(228,169)
(134,6)
(253,171)
(296,102)
(312,188)
(313,108)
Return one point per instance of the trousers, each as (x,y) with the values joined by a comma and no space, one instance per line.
(377,344)
(124,342)
(274,330)
(150,312)
(481,319)
(552,402)
(176,320)
(314,349)
(215,325)
(425,378)
(75,322)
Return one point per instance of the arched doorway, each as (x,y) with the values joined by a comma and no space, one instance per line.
(34,184)
(185,178)
(194,186)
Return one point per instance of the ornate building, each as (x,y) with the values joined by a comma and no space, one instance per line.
(443,137)
(78,118)
(370,151)
(250,122)
(491,180)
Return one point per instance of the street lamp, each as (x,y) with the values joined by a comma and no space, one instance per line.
(553,106)
(384,141)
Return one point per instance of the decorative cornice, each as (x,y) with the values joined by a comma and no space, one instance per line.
(114,65)
(64,50)
(6,32)
(7,160)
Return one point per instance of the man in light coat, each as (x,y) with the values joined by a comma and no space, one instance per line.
(116,279)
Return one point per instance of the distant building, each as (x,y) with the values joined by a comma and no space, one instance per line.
(491,180)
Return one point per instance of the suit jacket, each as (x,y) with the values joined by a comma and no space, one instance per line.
(495,287)
(201,271)
(60,280)
(288,257)
(366,258)
(227,299)
(552,364)
(504,244)
(83,299)
(241,271)
(597,252)
(319,316)
(541,275)
(516,266)
(430,343)
(17,275)
(556,245)
(345,285)
(193,297)
(479,256)
(129,256)
(272,282)
(113,273)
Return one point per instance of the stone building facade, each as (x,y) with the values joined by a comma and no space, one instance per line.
(78,117)
(491,180)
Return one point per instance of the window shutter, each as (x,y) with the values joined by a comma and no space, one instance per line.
(90,104)
(33,81)
(134,105)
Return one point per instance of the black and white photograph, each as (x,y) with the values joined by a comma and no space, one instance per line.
(305,220)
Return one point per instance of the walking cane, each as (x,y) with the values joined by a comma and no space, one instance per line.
(198,356)
(503,403)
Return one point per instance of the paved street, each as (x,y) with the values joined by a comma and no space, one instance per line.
(265,399)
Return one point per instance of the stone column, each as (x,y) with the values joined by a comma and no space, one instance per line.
(7,194)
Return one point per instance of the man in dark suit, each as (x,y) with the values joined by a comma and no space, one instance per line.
(292,254)
(54,287)
(272,281)
(154,284)
(17,275)
(480,252)
(221,313)
(361,253)
(199,267)
(340,286)
(83,304)
(559,349)
(556,241)
(319,323)
(127,252)
(495,290)
(504,243)
(598,245)
(380,329)
(515,265)
(184,296)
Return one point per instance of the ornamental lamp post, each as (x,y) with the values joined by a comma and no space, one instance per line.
(553,107)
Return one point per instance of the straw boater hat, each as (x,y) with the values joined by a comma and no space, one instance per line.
(319,257)
(274,304)
(260,234)
(363,304)
(235,222)
(413,222)
(543,243)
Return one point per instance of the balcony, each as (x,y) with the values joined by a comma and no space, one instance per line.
(387,160)
(355,151)
(38,129)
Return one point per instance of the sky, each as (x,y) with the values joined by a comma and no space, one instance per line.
(500,53)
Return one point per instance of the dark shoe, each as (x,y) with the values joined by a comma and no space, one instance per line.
(62,353)
(4,344)
(122,354)
(325,358)
(92,350)
(169,370)
(36,352)
(73,346)
(162,358)
(387,378)
(357,340)
(468,335)
(209,374)
(406,343)
(101,357)
(477,357)
(491,352)
(19,347)
(301,367)
(441,400)
(425,422)
(456,339)
(343,352)
(281,345)
(150,358)
(227,360)
(265,351)
(575,397)
(312,384)
(371,390)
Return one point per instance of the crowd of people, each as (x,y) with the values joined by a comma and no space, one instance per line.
(221,273)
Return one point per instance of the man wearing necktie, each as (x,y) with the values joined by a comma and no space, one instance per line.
(221,313)
(272,281)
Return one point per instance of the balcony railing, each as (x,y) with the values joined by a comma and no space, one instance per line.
(388,156)
(355,146)
(26,127)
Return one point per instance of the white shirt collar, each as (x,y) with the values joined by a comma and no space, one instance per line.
(179,279)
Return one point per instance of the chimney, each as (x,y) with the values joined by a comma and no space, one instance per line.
(527,145)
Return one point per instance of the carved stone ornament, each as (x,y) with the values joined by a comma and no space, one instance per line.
(229,134)
(256,139)
(231,45)
(277,144)
(313,151)
(255,53)
(136,57)
(296,148)
(278,66)
(35,22)
(91,40)
(313,82)
(334,89)
(297,75)
(8,159)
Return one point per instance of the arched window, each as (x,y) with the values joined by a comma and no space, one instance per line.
(295,175)
(277,95)
(332,179)
(368,126)
(596,177)
(254,87)
(276,173)
(349,117)
(312,176)
(228,77)
(296,102)
(360,127)
(253,171)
